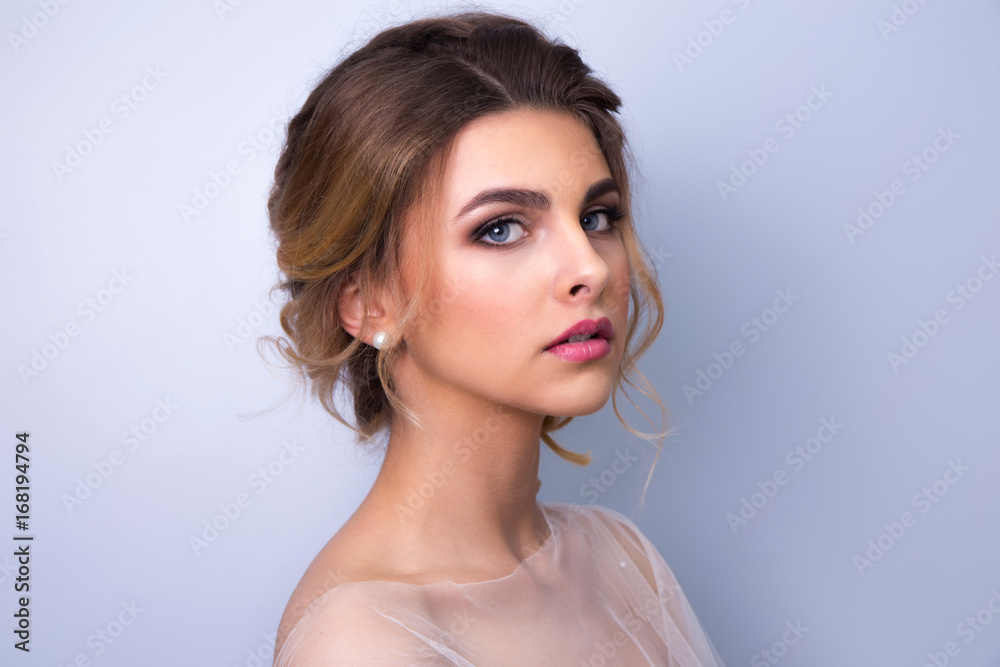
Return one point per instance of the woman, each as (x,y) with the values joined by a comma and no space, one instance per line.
(452,211)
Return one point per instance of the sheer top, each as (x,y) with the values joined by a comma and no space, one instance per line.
(597,592)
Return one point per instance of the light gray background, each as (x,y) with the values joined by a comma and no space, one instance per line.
(180,331)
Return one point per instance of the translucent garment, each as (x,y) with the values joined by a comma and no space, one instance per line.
(596,593)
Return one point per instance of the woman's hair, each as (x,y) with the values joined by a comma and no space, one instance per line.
(366,153)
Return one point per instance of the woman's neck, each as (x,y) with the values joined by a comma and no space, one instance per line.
(462,491)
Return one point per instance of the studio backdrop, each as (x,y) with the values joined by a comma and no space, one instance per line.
(817,187)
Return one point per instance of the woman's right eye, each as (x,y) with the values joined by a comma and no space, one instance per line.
(498,232)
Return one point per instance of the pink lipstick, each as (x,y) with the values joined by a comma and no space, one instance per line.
(590,340)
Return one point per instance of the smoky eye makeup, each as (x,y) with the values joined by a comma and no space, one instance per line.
(614,214)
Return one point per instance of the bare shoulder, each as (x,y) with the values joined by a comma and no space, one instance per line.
(343,627)
(355,554)
(338,562)
(337,623)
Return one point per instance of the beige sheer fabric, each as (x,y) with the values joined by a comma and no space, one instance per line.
(597,593)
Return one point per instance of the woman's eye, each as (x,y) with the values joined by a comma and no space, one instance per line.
(499,232)
(508,231)
(611,215)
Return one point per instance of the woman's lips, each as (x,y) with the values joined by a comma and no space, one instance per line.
(587,350)
(601,328)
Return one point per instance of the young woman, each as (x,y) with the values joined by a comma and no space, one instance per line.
(452,212)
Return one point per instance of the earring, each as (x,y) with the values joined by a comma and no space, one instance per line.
(378,340)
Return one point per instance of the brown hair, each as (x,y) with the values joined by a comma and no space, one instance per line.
(367,149)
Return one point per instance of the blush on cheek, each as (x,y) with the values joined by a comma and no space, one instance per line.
(619,289)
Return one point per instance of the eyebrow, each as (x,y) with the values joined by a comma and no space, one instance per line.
(532,198)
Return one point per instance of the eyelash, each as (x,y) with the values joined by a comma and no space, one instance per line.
(614,213)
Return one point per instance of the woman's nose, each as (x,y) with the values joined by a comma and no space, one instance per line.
(580,268)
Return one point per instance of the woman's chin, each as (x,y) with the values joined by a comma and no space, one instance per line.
(580,408)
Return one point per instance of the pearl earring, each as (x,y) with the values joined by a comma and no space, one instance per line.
(378,340)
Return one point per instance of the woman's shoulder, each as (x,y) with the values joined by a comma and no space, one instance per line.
(608,529)
(342,561)
(324,573)
(593,517)
(343,588)
(343,626)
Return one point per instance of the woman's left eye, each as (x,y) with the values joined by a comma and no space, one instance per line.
(613,215)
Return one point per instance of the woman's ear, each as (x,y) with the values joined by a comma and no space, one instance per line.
(351,310)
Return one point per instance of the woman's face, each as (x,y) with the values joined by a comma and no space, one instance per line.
(512,272)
